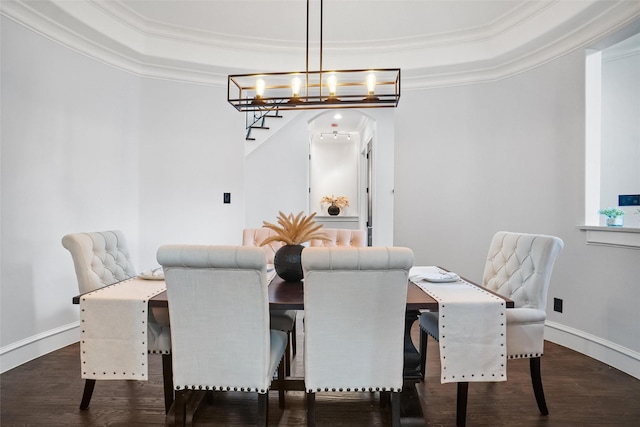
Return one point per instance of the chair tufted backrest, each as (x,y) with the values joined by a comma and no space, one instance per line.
(219,310)
(519,267)
(255,236)
(100,258)
(354,308)
(341,237)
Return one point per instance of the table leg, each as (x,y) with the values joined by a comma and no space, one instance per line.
(411,410)
(411,355)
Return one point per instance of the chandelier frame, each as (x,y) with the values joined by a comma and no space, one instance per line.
(323,89)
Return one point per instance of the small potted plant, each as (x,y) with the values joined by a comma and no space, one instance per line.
(615,216)
(292,231)
(335,204)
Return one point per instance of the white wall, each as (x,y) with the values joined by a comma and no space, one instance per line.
(69,163)
(277,174)
(191,152)
(509,155)
(87,147)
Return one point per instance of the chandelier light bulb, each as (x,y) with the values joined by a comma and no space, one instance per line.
(333,84)
(260,86)
(371,83)
(296,83)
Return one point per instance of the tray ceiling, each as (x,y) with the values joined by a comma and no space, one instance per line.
(435,43)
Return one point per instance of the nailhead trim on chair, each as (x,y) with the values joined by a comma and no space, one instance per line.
(355,389)
(524,356)
(220,388)
(224,388)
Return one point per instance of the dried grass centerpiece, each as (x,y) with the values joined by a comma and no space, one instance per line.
(292,231)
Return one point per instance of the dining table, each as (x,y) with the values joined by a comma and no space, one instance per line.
(285,295)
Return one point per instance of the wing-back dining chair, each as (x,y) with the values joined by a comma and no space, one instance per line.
(213,347)
(355,302)
(282,320)
(341,237)
(518,267)
(100,259)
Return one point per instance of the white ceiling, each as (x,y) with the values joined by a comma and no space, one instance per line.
(352,21)
(434,42)
(342,121)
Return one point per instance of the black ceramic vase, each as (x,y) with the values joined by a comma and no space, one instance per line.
(333,209)
(288,263)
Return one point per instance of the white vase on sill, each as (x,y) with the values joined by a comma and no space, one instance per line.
(617,221)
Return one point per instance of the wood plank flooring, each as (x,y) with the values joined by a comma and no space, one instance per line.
(580,391)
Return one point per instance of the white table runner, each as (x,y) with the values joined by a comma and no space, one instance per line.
(471,328)
(114,333)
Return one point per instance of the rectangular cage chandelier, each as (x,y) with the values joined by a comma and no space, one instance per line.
(306,90)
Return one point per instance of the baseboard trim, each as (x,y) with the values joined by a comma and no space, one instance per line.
(617,356)
(23,351)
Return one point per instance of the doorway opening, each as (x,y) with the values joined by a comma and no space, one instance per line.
(340,153)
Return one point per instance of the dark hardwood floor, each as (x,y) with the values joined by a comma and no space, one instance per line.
(580,391)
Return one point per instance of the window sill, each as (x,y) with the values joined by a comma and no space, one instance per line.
(621,237)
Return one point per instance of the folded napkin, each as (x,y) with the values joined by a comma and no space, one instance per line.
(471,331)
(432,274)
(155,274)
(114,341)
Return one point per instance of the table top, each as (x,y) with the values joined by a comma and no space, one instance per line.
(290,296)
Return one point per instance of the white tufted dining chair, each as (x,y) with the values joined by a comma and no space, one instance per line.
(282,320)
(101,259)
(518,267)
(346,347)
(341,237)
(206,287)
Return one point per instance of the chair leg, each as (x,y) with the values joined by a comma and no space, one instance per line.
(180,410)
(536,380)
(311,409)
(167,379)
(263,409)
(86,394)
(385,397)
(423,353)
(293,340)
(287,358)
(395,409)
(281,385)
(461,405)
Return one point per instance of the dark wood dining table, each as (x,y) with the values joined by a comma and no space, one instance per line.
(290,296)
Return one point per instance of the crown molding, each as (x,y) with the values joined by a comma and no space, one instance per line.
(527,37)
(609,23)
